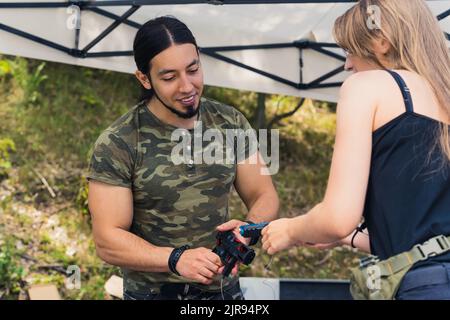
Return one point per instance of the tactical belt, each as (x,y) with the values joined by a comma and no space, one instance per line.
(420,252)
(380,280)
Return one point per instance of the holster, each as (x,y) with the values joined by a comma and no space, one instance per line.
(380,280)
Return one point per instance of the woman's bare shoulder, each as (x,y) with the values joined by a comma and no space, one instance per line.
(369,79)
(369,86)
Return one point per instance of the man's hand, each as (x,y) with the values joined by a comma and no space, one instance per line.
(234,226)
(200,265)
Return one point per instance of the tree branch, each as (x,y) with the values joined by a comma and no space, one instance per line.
(279,117)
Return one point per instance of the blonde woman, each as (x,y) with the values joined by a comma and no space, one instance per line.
(391,161)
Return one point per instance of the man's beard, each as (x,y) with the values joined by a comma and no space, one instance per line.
(190,113)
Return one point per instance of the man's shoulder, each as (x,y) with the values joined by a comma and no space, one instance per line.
(125,127)
(220,109)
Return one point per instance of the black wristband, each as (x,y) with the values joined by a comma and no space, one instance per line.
(174,257)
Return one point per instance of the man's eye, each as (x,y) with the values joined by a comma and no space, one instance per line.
(168,79)
(193,70)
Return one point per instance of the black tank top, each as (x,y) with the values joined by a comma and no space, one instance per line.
(408,196)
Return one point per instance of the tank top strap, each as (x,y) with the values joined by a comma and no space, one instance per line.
(404,89)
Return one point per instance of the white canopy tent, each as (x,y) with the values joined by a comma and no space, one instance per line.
(283,47)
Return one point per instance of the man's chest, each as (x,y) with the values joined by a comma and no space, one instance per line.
(181,170)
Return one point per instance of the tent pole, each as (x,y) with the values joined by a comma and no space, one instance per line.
(108,30)
(114,17)
(34,38)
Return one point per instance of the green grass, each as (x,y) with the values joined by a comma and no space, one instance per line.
(11,271)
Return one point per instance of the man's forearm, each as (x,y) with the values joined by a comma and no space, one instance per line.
(124,249)
(265,208)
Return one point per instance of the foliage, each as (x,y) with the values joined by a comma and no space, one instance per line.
(6,147)
(11,271)
(29,79)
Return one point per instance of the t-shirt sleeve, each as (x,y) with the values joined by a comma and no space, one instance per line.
(247,143)
(111,161)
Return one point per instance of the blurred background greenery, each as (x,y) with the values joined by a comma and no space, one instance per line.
(50,116)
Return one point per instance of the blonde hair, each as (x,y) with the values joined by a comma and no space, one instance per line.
(417,44)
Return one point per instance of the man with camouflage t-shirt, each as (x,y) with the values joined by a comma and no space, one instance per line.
(155,213)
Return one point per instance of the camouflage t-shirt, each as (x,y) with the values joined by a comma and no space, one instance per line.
(173,203)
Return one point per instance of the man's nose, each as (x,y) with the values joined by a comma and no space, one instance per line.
(186,85)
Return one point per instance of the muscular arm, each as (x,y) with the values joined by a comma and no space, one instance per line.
(111,209)
(256,190)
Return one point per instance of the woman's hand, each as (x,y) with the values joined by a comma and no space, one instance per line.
(278,236)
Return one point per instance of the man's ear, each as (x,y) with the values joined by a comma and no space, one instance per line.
(143,79)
